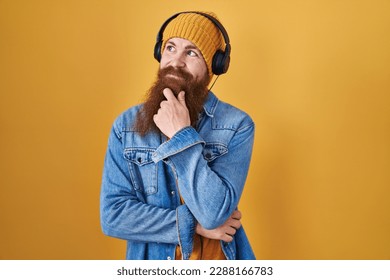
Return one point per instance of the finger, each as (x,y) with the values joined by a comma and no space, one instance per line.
(227,238)
(169,94)
(234,223)
(230,231)
(163,104)
(236,215)
(182,99)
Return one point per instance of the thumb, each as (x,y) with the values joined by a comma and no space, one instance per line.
(182,99)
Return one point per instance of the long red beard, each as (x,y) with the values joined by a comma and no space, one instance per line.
(195,94)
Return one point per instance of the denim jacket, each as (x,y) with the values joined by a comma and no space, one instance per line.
(144,177)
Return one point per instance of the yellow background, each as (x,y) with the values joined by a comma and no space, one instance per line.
(314,75)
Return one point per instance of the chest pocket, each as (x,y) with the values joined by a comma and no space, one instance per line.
(143,171)
(211,151)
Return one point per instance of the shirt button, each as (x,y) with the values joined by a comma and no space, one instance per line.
(172,192)
(168,258)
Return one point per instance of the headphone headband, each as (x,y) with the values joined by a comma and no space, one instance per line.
(221,59)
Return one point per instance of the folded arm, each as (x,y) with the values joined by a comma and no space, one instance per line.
(125,215)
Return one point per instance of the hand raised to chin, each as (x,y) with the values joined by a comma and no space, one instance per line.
(173,114)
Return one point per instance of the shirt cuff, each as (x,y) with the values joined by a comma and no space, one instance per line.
(183,139)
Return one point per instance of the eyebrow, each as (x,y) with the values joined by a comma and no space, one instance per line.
(188,47)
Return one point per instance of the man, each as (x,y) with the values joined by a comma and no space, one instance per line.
(176,165)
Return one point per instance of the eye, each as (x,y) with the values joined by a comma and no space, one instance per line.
(192,53)
(170,48)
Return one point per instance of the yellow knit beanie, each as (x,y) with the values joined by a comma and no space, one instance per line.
(198,29)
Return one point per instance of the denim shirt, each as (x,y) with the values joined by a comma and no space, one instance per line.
(144,177)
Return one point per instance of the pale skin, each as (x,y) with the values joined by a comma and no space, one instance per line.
(173,115)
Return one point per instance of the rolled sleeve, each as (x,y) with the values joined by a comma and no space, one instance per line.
(182,140)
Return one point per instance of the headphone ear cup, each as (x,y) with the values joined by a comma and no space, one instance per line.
(220,62)
(226,62)
(157,51)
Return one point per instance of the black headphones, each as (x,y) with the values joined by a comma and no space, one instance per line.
(221,59)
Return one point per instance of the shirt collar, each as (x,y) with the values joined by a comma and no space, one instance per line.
(211,104)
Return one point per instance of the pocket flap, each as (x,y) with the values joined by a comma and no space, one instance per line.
(139,156)
(212,151)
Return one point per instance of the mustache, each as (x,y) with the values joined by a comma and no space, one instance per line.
(166,73)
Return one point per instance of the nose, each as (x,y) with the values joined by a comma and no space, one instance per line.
(178,61)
